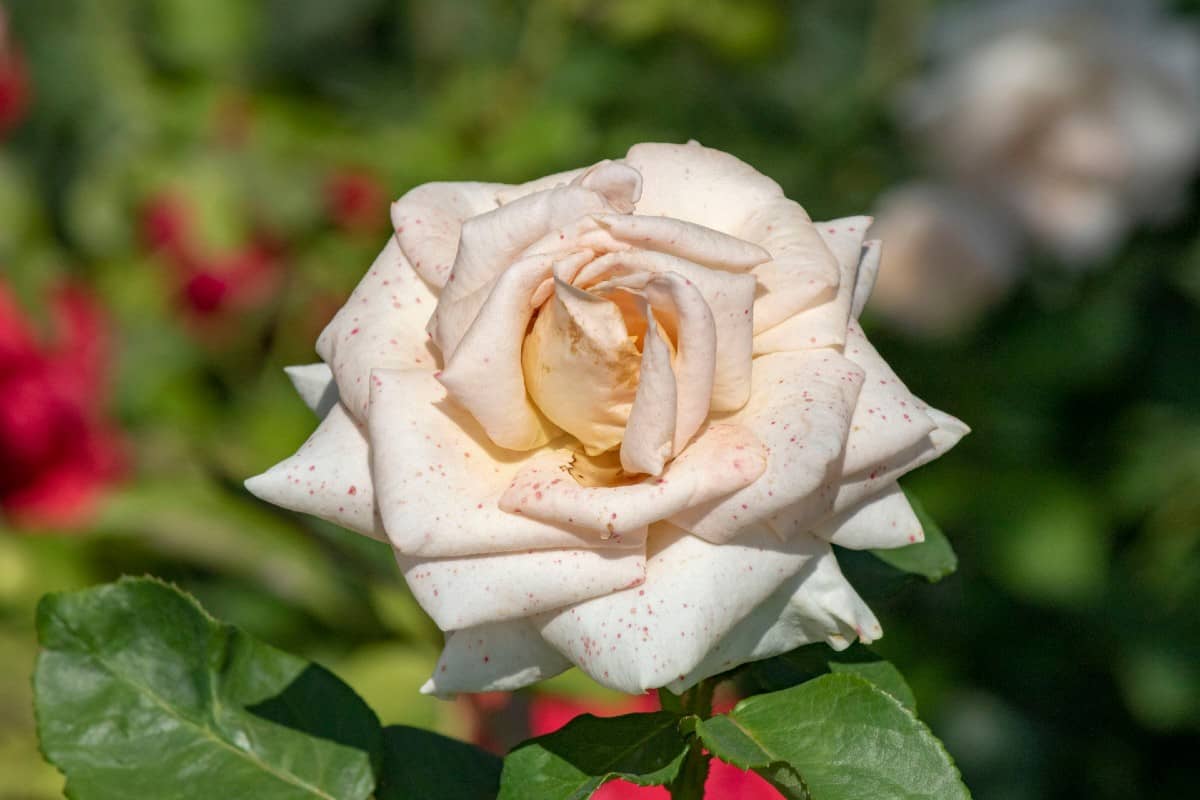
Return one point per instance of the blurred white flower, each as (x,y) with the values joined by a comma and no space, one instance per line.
(947,259)
(1081,119)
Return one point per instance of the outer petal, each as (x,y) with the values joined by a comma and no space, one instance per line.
(817,604)
(328,477)
(800,409)
(496,657)
(473,590)
(885,520)
(888,418)
(694,593)
(699,184)
(315,385)
(802,272)
(429,218)
(439,478)
(381,325)
(823,325)
(491,242)
(721,460)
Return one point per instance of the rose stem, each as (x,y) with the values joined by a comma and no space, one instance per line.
(689,784)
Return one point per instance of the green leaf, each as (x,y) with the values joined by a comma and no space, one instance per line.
(808,662)
(646,749)
(140,693)
(838,737)
(422,765)
(932,559)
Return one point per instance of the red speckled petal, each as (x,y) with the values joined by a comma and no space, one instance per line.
(800,408)
(439,478)
(695,592)
(817,604)
(429,219)
(885,520)
(328,477)
(495,657)
(381,325)
(315,385)
(473,590)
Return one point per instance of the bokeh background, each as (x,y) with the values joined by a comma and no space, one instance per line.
(190,188)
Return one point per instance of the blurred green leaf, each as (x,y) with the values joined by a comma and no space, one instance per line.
(646,749)
(142,694)
(839,737)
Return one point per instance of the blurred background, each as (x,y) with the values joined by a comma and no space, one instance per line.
(190,188)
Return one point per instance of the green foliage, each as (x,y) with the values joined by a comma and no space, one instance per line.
(837,737)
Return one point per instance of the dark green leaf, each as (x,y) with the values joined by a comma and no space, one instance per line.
(932,559)
(837,737)
(805,663)
(646,749)
(140,693)
(421,765)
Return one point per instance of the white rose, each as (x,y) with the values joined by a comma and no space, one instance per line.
(1080,118)
(628,438)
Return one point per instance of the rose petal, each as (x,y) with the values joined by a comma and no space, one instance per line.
(885,520)
(730,299)
(802,272)
(816,604)
(495,657)
(694,593)
(557,180)
(888,418)
(868,269)
(698,184)
(800,408)
(315,385)
(472,590)
(823,325)
(650,431)
(428,221)
(700,245)
(491,242)
(381,325)
(328,477)
(581,366)
(722,459)
(439,478)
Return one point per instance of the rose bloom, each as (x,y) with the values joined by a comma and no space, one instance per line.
(59,450)
(615,418)
(1080,118)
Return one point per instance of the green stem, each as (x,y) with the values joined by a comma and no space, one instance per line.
(697,701)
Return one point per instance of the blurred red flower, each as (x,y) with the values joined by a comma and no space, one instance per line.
(59,449)
(14,81)
(356,201)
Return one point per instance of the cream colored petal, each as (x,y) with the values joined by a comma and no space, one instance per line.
(686,240)
(650,431)
(823,325)
(381,325)
(802,272)
(695,592)
(868,269)
(681,307)
(730,299)
(888,417)
(508,194)
(817,604)
(328,477)
(698,184)
(429,218)
(485,374)
(491,242)
(885,520)
(721,460)
(581,366)
(800,408)
(439,479)
(495,657)
(315,385)
(474,590)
